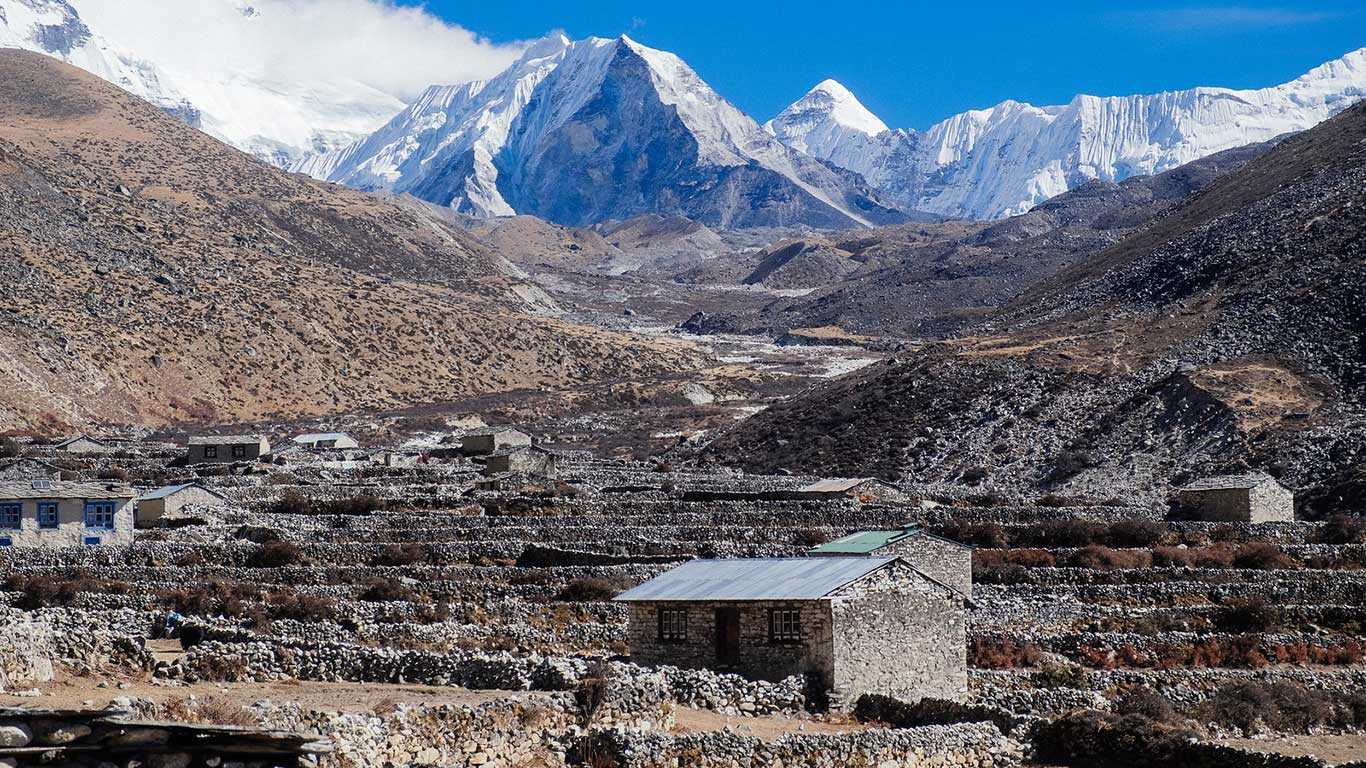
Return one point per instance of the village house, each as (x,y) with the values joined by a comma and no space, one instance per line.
(84,445)
(208,449)
(154,506)
(528,460)
(326,441)
(865,489)
(64,514)
(945,561)
(27,469)
(482,442)
(858,624)
(1254,497)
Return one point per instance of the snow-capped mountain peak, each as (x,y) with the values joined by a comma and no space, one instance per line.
(1003,160)
(840,105)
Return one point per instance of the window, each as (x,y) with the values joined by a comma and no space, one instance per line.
(11,515)
(673,625)
(91,541)
(239,451)
(47,515)
(785,625)
(6,541)
(100,514)
(210,451)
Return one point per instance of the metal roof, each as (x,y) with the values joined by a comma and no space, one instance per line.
(1225,482)
(863,542)
(835,485)
(171,490)
(777,578)
(56,489)
(315,437)
(226,439)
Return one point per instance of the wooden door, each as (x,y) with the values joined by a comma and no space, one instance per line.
(727,636)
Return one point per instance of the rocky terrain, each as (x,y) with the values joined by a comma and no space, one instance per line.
(152,275)
(1227,333)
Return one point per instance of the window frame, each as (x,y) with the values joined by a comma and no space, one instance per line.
(238,451)
(210,451)
(15,508)
(55,507)
(785,625)
(98,508)
(672,624)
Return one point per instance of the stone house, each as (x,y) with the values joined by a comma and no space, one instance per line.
(943,560)
(858,624)
(326,441)
(65,514)
(1254,497)
(482,442)
(155,505)
(208,449)
(528,460)
(860,488)
(84,445)
(27,469)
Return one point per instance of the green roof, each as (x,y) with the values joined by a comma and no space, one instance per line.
(863,542)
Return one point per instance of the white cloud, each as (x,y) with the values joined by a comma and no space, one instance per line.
(1225,18)
(393,49)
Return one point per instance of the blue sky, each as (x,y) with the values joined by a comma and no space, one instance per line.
(916,63)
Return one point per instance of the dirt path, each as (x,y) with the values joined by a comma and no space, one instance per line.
(1332,749)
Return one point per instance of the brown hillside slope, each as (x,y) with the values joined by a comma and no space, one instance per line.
(1230,334)
(149,274)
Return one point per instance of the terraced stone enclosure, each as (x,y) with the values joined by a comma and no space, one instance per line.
(410,616)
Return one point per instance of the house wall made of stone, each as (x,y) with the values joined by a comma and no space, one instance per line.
(759,658)
(937,558)
(225,455)
(1271,503)
(1217,505)
(907,644)
(149,511)
(71,530)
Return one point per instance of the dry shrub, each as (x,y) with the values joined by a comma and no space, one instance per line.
(1097,557)
(1148,704)
(985,535)
(223,669)
(810,537)
(1342,529)
(211,710)
(291,502)
(1283,706)
(1263,557)
(301,607)
(1253,614)
(590,590)
(190,559)
(591,692)
(402,554)
(275,554)
(1002,653)
(386,591)
(1135,533)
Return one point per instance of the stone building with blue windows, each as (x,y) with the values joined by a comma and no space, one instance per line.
(51,513)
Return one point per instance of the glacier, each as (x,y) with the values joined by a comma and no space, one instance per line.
(1001,161)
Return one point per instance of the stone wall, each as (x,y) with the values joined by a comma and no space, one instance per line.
(945,561)
(970,745)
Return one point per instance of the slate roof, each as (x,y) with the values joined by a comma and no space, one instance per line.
(776,578)
(1229,482)
(57,489)
(490,431)
(315,437)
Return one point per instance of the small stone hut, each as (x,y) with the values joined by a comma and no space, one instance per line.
(482,442)
(64,514)
(860,488)
(943,560)
(528,460)
(1253,497)
(155,505)
(859,624)
(209,449)
(84,445)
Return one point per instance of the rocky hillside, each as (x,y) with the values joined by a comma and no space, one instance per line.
(150,275)
(1230,333)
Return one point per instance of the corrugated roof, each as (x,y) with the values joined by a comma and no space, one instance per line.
(778,578)
(835,485)
(171,490)
(56,489)
(314,437)
(1224,482)
(225,439)
(863,542)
